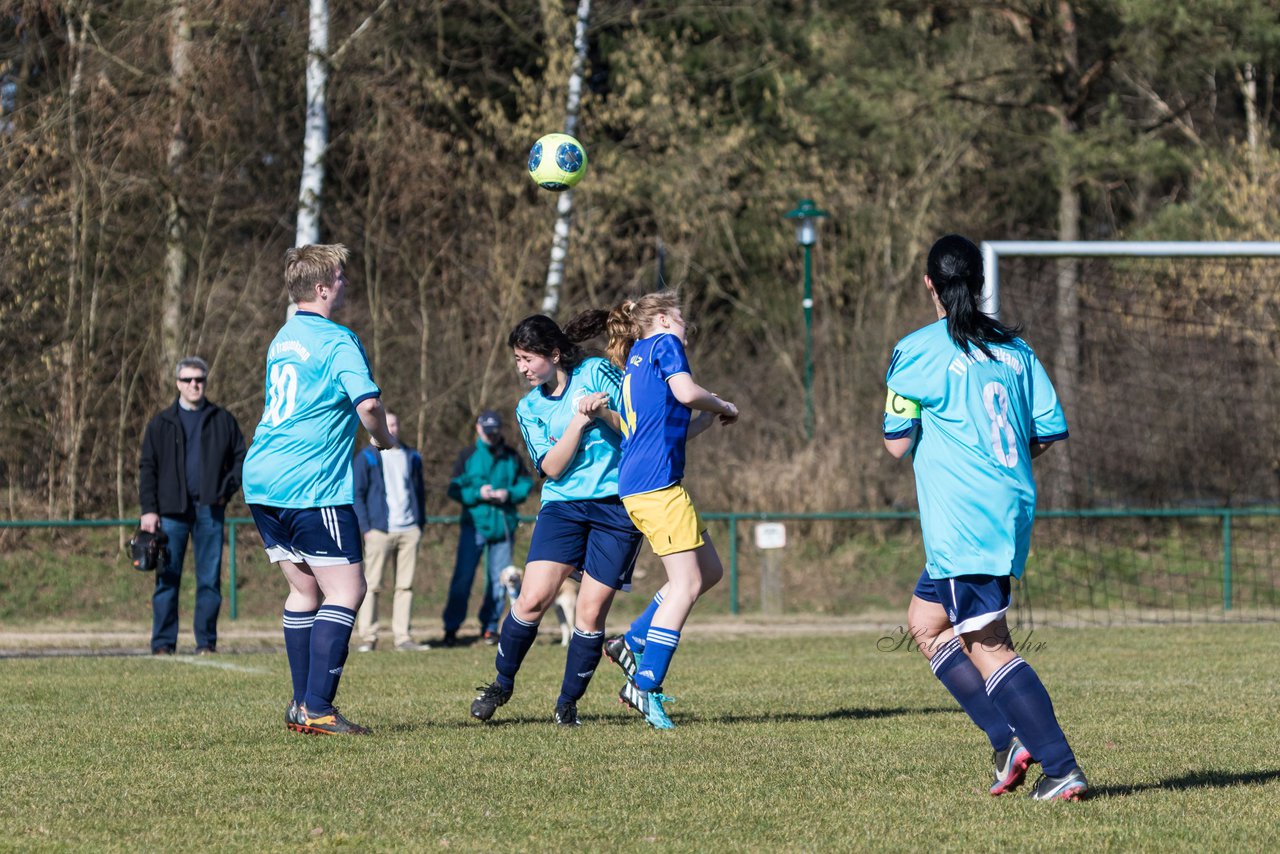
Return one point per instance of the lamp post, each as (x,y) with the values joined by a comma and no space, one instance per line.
(806,215)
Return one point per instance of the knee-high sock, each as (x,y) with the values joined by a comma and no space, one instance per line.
(297,645)
(514,641)
(1018,693)
(639,630)
(659,646)
(330,639)
(579,663)
(955,671)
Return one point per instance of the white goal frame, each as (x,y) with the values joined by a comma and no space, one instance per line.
(993,250)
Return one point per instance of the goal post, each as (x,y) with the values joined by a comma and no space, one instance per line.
(994,250)
(1166,356)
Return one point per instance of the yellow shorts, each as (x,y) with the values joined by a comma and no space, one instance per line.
(667,518)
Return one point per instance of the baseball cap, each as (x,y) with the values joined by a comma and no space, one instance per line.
(490,421)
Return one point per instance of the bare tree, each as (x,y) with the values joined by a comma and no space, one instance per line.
(175,255)
(564,204)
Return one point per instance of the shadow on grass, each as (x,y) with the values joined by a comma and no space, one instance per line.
(833,715)
(632,720)
(1196,780)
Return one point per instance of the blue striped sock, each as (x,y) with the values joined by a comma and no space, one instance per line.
(514,642)
(579,663)
(955,671)
(297,645)
(659,646)
(330,638)
(1018,693)
(639,631)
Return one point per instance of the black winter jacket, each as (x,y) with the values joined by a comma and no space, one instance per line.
(162,472)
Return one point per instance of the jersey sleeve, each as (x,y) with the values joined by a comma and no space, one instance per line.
(1049,422)
(607,378)
(537,440)
(669,358)
(350,369)
(902,404)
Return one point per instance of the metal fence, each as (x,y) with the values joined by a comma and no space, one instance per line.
(1087,576)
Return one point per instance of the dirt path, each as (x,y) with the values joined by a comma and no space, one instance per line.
(240,636)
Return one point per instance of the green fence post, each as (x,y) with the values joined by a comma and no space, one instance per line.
(231,565)
(733,563)
(1226,560)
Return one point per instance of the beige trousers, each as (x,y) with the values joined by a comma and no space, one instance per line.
(400,549)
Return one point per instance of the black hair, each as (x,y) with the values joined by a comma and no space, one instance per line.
(955,268)
(539,334)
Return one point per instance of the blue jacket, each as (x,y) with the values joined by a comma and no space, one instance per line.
(371,489)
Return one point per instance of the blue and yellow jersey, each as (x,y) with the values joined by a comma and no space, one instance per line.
(317,373)
(977,419)
(543,418)
(654,424)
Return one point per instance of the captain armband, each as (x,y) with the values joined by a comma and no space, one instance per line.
(901,407)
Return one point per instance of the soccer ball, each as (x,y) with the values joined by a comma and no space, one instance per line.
(557,162)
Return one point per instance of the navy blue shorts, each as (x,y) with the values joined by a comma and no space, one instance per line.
(316,536)
(594,536)
(971,601)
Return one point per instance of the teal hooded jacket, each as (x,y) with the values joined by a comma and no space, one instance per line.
(501,467)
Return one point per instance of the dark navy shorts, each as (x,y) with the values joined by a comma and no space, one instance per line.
(594,536)
(971,601)
(316,536)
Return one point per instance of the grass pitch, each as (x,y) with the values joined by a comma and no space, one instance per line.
(811,743)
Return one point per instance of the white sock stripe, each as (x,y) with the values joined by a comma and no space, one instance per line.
(658,597)
(298,622)
(336,617)
(663,633)
(587,635)
(520,621)
(1000,675)
(663,641)
(944,653)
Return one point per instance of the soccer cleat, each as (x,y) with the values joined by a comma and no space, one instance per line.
(1011,767)
(332,723)
(649,704)
(293,717)
(567,714)
(367,646)
(620,654)
(1070,787)
(491,696)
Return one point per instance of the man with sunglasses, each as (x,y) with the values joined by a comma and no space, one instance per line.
(192,453)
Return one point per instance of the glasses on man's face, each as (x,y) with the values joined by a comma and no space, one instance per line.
(189,380)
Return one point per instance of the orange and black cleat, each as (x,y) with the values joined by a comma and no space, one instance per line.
(330,723)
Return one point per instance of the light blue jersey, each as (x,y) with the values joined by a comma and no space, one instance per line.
(593,472)
(317,373)
(977,419)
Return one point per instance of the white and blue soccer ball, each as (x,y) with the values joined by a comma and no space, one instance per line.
(557,162)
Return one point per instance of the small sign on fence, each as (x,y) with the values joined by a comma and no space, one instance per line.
(771,535)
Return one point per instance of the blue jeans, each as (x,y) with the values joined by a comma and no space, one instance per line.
(470,547)
(204,527)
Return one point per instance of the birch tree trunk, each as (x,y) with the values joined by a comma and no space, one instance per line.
(316,134)
(64,452)
(1247,78)
(175,254)
(564,204)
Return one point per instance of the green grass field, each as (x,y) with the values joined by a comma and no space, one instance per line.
(789,743)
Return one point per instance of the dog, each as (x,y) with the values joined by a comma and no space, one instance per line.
(511,579)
